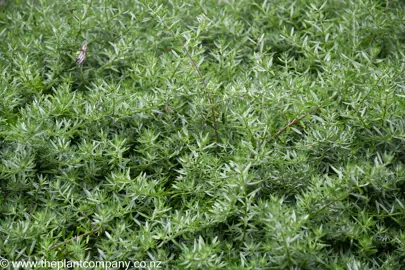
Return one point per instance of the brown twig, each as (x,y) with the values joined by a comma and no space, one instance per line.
(296,121)
(204,84)
(72,239)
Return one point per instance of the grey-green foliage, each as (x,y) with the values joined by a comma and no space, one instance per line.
(123,151)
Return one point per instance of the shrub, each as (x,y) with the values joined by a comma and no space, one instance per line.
(203,134)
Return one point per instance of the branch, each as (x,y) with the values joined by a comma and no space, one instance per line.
(204,84)
(87,8)
(72,239)
(296,121)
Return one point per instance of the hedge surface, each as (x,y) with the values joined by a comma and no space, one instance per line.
(204,134)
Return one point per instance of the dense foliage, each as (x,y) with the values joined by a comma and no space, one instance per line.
(174,140)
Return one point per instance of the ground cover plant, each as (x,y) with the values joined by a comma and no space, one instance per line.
(204,134)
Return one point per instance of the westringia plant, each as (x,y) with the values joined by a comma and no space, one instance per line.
(203,134)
